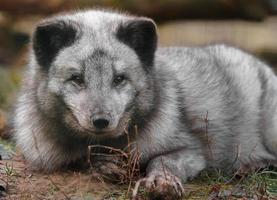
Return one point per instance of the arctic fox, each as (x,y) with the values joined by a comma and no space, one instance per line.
(93,74)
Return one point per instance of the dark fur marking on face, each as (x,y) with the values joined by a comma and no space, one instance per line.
(96,59)
(141,36)
(99,53)
(49,38)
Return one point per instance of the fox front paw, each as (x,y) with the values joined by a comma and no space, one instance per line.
(162,185)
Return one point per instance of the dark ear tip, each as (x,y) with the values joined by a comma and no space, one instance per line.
(51,36)
(140,33)
(151,25)
(44,24)
(149,22)
(146,23)
(47,25)
(145,26)
(41,31)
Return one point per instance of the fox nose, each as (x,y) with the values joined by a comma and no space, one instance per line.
(101,123)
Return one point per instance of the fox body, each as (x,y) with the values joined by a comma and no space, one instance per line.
(93,74)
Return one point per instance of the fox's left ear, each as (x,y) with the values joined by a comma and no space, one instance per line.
(141,35)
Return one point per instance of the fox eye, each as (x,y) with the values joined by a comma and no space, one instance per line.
(118,80)
(77,79)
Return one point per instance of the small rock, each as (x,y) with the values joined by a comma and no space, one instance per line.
(239,192)
(225,193)
(3,188)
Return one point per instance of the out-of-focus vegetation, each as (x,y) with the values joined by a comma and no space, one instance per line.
(160,9)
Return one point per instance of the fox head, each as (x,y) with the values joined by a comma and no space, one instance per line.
(95,70)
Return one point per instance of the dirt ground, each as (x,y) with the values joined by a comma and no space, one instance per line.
(23,183)
(18,181)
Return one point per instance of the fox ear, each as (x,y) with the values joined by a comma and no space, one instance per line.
(141,35)
(49,38)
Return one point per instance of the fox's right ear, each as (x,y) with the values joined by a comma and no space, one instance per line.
(49,38)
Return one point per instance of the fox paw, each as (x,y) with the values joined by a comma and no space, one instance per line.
(162,185)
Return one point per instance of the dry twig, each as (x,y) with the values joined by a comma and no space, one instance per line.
(127,161)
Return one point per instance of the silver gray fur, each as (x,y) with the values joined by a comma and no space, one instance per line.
(236,92)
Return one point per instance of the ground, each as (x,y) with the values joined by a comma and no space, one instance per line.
(19,181)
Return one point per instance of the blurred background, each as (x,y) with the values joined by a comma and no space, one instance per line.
(248,24)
